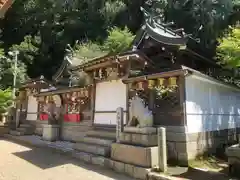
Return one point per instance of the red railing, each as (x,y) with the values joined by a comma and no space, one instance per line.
(43,117)
(72,118)
(67,117)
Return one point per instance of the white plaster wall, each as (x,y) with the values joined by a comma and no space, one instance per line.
(107,118)
(211,105)
(109,96)
(32,108)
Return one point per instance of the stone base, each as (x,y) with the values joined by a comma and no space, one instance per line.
(4,130)
(50,132)
(140,156)
(145,140)
(139,136)
(233,153)
(145,130)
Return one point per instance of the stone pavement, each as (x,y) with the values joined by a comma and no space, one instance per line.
(20,162)
(47,161)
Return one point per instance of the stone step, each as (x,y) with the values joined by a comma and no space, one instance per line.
(96,141)
(25,126)
(25,130)
(16,133)
(93,149)
(102,134)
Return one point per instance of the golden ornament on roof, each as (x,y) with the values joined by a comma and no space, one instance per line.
(151,83)
(173,81)
(161,81)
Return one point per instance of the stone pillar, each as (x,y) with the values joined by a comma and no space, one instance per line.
(162,149)
(119,127)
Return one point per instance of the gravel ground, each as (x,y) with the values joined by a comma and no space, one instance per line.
(18,162)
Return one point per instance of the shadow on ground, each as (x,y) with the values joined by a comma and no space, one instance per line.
(45,158)
(197,174)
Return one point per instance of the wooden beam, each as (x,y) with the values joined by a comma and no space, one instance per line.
(158,75)
(59,91)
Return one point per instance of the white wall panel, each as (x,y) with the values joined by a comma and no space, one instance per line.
(109,96)
(211,105)
(32,108)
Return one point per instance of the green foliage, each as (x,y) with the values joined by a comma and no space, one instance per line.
(89,50)
(28,49)
(7,71)
(6,100)
(41,29)
(1,53)
(117,41)
(229,49)
(204,19)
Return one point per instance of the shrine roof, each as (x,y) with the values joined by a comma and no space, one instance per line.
(183,71)
(36,82)
(59,91)
(109,59)
(4,6)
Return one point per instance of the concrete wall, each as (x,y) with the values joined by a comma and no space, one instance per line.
(69,131)
(75,131)
(184,146)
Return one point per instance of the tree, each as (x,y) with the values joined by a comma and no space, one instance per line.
(7,70)
(118,40)
(42,29)
(55,24)
(229,49)
(204,19)
(6,100)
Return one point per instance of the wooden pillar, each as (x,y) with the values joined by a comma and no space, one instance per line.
(93,97)
(127,102)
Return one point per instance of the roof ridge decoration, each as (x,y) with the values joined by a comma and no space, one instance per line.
(160,32)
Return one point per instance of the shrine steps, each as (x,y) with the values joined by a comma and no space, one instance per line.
(24,129)
(16,133)
(103,134)
(97,142)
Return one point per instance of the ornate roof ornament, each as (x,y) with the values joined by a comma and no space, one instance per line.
(162,32)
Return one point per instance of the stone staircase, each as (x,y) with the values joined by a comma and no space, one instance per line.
(97,142)
(24,129)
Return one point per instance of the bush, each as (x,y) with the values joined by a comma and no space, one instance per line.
(6,100)
(118,41)
(228,51)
